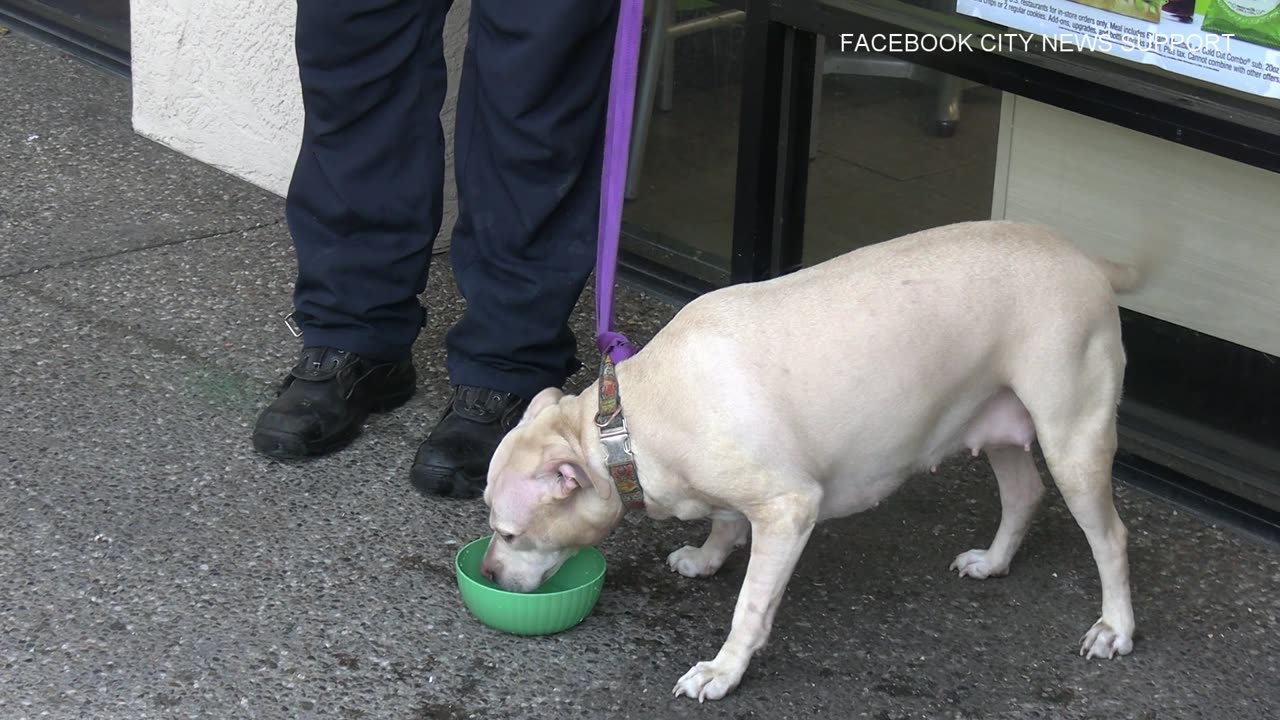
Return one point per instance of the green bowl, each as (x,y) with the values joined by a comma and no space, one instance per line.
(562,602)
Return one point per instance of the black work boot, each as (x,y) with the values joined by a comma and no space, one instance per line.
(325,398)
(454,460)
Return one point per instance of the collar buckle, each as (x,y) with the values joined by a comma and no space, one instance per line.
(617,444)
(615,436)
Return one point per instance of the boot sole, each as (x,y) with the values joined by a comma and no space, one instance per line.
(289,447)
(437,481)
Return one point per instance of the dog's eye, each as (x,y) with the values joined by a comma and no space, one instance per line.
(507,537)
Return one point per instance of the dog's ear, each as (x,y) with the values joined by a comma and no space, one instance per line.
(540,402)
(571,475)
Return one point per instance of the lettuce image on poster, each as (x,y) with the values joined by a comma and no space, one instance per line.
(1254,21)
(1148,10)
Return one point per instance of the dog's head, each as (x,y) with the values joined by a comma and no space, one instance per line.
(545,502)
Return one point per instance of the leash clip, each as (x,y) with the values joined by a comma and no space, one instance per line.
(603,422)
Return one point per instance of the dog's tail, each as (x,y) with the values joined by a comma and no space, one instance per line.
(1124,278)
(1153,252)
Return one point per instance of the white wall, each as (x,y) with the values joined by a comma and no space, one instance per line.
(1110,190)
(217,80)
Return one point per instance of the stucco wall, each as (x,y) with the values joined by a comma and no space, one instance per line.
(216,80)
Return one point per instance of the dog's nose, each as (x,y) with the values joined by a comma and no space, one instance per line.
(487,570)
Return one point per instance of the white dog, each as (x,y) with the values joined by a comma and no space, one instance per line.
(772,406)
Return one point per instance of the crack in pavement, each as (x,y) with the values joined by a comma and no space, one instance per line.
(126,251)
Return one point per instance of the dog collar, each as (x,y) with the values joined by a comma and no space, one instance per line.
(616,438)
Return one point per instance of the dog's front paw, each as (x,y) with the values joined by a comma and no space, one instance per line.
(978,564)
(1103,641)
(693,562)
(707,681)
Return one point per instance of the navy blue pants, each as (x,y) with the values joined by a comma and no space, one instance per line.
(364,205)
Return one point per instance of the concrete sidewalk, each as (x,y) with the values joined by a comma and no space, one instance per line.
(151,566)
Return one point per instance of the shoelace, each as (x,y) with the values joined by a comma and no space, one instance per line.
(315,363)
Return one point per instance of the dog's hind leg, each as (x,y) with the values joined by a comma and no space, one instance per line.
(728,532)
(1083,474)
(1020,492)
(1074,409)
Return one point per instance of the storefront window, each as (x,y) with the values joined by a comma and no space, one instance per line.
(899,148)
(681,188)
(891,154)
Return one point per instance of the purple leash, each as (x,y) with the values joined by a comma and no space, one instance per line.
(617,140)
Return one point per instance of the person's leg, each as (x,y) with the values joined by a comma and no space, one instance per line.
(363,207)
(531,119)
